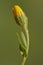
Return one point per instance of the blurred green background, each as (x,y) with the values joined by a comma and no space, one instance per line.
(9,51)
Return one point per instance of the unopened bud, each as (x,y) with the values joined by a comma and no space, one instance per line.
(19,15)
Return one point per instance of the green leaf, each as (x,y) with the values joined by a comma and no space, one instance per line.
(23,38)
(22,47)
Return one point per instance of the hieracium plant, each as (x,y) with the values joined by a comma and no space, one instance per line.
(23,38)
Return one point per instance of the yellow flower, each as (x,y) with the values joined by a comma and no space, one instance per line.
(17,11)
(19,15)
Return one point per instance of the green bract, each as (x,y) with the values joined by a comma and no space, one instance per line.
(21,20)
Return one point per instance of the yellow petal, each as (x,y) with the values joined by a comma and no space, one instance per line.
(17,11)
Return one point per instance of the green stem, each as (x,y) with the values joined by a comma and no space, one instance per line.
(27,39)
(27,44)
(24,60)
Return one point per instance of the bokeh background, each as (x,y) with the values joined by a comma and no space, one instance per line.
(9,51)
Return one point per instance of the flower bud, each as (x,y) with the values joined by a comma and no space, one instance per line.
(19,15)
